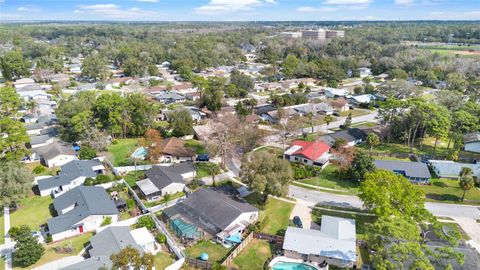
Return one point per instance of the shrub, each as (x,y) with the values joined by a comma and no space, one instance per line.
(39,169)
(147,222)
(301,172)
(49,238)
(87,153)
(114,142)
(106,221)
(440,184)
(102,178)
(161,238)
(89,181)
(263,223)
(130,203)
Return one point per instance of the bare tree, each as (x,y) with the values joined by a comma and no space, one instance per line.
(223,139)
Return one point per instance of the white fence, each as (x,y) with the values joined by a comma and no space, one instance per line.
(159,207)
(176,265)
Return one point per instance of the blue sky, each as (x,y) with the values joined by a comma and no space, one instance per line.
(239,10)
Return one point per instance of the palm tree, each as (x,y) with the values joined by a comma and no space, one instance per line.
(311,118)
(328,119)
(31,105)
(214,169)
(466,183)
(466,171)
(372,140)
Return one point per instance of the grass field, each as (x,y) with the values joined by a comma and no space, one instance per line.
(162,260)
(448,190)
(356,112)
(254,255)
(278,214)
(273,150)
(121,151)
(33,211)
(132,177)
(203,169)
(197,146)
(78,243)
(328,179)
(215,251)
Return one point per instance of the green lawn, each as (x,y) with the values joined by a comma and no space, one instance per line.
(203,169)
(448,190)
(78,243)
(356,112)
(216,252)
(254,255)
(162,260)
(271,149)
(121,151)
(457,228)
(33,211)
(132,177)
(278,214)
(172,197)
(328,178)
(364,124)
(197,146)
(360,220)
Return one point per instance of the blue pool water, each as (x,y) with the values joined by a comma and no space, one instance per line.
(292,266)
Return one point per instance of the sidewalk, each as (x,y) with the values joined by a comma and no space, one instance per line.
(8,254)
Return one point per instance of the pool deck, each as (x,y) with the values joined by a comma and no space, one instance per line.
(288,260)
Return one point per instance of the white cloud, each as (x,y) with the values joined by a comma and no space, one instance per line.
(115,12)
(22,9)
(312,9)
(371,18)
(148,1)
(224,6)
(404,2)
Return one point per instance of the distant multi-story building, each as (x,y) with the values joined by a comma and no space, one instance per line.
(314,34)
(335,34)
(291,34)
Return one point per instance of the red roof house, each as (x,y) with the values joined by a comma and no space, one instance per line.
(308,153)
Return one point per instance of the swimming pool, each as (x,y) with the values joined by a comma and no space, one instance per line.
(292,266)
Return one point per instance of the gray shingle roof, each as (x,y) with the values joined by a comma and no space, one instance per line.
(54,149)
(112,240)
(471,137)
(97,262)
(162,176)
(350,135)
(212,206)
(411,169)
(69,172)
(86,200)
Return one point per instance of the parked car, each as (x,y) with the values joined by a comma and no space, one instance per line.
(203,157)
(336,114)
(297,221)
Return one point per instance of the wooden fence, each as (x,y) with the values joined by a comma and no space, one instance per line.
(229,259)
(276,239)
(199,264)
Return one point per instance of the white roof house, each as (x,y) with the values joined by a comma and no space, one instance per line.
(336,239)
(451,169)
(144,239)
(335,92)
(366,98)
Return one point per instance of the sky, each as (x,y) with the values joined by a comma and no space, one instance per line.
(238,10)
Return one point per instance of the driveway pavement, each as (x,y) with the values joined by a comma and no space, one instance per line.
(61,263)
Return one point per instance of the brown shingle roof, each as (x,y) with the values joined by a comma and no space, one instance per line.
(338,103)
(175,147)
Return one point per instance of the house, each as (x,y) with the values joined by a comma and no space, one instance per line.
(170,97)
(471,142)
(272,116)
(162,180)
(197,114)
(210,212)
(308,153)
(316,108)
(361,99)
(173,150)
(80,210)
(416,172)
(335,92)
(451,169)
(352,136)
(340,105)
(334,243)
(45,137)
(112,240)
(252,119)
(55,154)
(23,82)
(72,175)
(118,82)
(364,72)
(40,124)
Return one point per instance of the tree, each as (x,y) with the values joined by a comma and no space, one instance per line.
(212,95)
(15,182)
(14,66)
(213,170)
(372,140)
(31,106)
(361,164)
(397,73)
(328,119)
(265,173)
(181,122)
(147,222)
(348,122)
(94,66)
(438,124)
(466,183)
(130,258)
(456,81)
(87,153)
(223,139)
(386,193)
(241,81)
(27,249)
(13,139)
(311,119)
(290,65)
(399,89)
(10,101)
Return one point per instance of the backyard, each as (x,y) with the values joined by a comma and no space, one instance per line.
(197,146)
(119,152)
(216,252)
(32,211)
(162,260)
(254,255)
(132,177)
(356,112)
(448,190)
(203,169)
(78,243)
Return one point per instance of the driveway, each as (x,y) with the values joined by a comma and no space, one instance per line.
(61,263)
(304,212)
